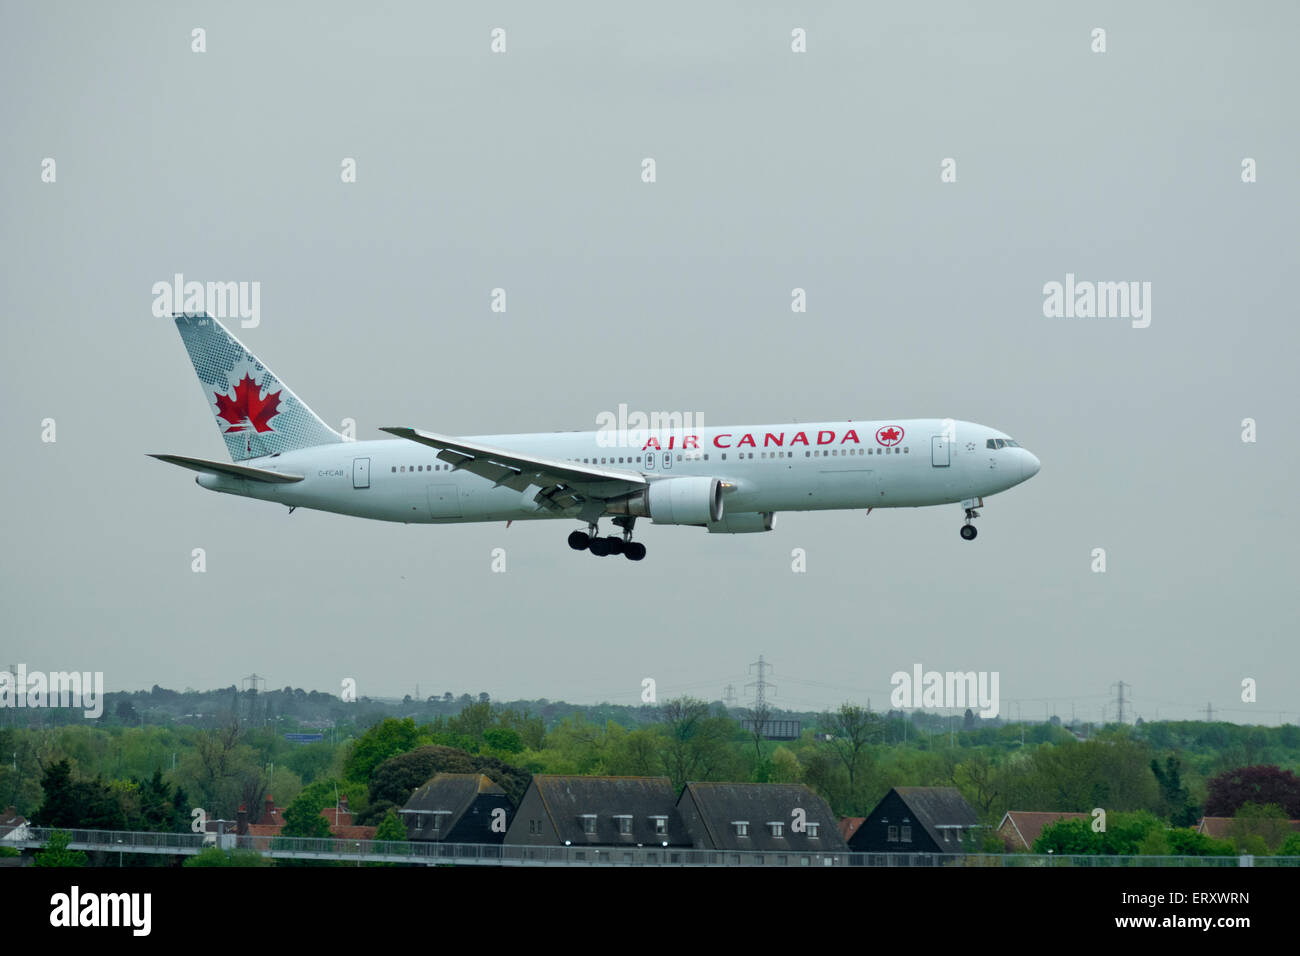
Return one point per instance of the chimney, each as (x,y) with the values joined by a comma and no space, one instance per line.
(241,821)
(269,812)
(343,804)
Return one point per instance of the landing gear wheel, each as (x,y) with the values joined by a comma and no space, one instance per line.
(635,551)
(599,547)
(579,540)
(615,545)
(968,532)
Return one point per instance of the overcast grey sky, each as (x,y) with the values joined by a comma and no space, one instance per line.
(775,170)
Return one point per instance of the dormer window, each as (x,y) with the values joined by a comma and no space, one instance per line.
(624,823)
(812,830)
(588,823)
(661,825)
(776,828)
(742,827)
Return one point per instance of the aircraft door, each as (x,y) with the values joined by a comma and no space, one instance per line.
(939,454)
(361,473)
(649,461)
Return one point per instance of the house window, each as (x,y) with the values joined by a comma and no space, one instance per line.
(661,825)
(892,836)
(776,828)
(624,824)
(812,830)
(742,827)
(907,834)
(589,823)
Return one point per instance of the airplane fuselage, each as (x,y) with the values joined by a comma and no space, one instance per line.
(765,468)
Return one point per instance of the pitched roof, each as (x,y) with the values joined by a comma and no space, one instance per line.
(10,817)
(1220,828)
(1026,826)
(759,805)
(849,826)
(570,801)
(448,795)
(938,809)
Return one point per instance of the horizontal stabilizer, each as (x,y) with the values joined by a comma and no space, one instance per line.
(226,468)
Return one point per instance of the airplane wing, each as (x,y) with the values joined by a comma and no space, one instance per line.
(563,484)
(226,468)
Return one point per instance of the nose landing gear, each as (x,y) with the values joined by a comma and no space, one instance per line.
(968,531)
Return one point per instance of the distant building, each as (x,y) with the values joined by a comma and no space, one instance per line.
(777,817)
(272,821)
(457,808)
(849,826)
(774,729)
(1220,828)
(13,825)
(598,812)
(341,825)
(916,820)
(1020,829)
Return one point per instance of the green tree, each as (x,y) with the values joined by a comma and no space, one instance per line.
(1175,799)
(388,738)
(1267,822)
(853,730)
(694,742)
(390,828)
(1290,846)
(55,852)
(213,856)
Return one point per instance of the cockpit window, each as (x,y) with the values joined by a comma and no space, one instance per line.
(1012,444)
(1001,443)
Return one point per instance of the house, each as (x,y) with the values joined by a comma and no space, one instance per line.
(849,826)
(458,808)
(1220,828)
(13,825)
(271,822)
(916,820)
(1019,829)
(598,811)
(341,825)
(759,816)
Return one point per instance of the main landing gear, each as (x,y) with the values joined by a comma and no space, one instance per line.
(590,540)
(968,530)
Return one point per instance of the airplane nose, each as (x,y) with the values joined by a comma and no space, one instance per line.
(1029,466)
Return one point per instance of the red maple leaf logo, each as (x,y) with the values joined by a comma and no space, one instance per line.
(246,408)
(890,435)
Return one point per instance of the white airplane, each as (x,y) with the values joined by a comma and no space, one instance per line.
(730,479)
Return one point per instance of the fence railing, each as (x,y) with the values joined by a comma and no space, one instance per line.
(432,854)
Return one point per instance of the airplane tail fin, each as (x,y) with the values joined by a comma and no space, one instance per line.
(256,413)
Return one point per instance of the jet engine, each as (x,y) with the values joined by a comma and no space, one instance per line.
(694,501)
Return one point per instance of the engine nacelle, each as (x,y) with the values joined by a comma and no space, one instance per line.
(746,522)
(696,501)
